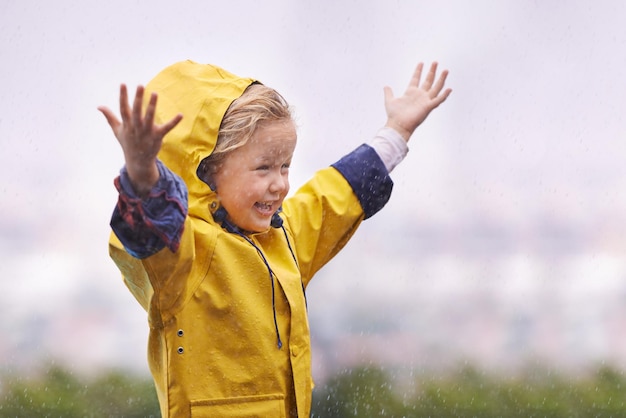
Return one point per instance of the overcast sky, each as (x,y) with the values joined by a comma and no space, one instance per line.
(525,161)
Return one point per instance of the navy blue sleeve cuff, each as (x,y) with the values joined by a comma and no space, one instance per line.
(368,177)
(146,226)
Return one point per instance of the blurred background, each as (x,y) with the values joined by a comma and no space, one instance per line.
(502,246)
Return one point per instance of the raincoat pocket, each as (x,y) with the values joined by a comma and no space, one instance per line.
(260,406)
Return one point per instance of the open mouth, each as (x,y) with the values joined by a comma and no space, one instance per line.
(265,208)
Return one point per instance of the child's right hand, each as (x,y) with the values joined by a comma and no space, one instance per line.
(139,137)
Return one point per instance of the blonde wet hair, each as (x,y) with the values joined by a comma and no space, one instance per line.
(259,104)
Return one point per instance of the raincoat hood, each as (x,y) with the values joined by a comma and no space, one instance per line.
(201,93)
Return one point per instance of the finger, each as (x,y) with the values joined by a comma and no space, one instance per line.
(430,77)
(112,120)
(124,106)
(137,106)
(417,75)
(439,84)
(149,117)
(166,127)
(441,98)
(388,93)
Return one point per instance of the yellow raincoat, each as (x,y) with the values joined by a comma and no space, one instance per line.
(212,347)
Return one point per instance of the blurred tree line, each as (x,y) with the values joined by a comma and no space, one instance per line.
(58,393)
(367,392)
(360,392)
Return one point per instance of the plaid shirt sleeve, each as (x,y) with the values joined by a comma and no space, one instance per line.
(149,224)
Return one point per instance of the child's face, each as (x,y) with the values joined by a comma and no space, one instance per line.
(252,181)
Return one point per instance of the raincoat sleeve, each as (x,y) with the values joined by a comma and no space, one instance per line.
(146,225)
(324,213)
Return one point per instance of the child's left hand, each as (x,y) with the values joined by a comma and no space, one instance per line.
(407,112)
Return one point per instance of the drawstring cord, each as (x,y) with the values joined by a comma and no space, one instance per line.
(279,342)
(277,222)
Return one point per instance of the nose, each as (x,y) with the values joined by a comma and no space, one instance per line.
(280,183)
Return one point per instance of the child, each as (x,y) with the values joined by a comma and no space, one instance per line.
(209,248)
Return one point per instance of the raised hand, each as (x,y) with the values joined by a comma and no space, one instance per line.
(139,137)
(405,113)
